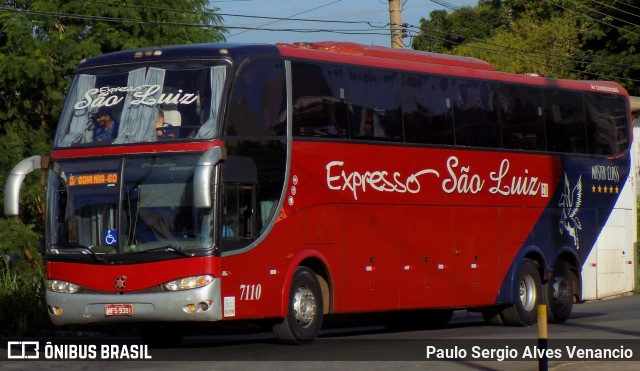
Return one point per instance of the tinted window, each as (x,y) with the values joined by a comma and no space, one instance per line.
(475,116)
(607,130)
(258,100)
(521,117)
(565,122)
(253,173)
(426,110)
(318,105)
(123,105)
(358,103)
(374,105)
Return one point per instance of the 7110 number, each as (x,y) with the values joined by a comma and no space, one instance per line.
(250,292)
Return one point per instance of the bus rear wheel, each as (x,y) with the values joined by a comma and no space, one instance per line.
(560,293)
(524,311)
(304,318)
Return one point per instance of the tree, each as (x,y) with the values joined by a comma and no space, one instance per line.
(442,31)
(41,42)
(530,45)
(561,38)
(610,34)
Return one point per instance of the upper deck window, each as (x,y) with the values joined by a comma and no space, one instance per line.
(142,105)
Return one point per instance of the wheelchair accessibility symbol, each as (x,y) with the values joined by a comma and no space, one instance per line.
(110,237)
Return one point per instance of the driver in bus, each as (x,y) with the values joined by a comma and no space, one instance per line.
(105,126)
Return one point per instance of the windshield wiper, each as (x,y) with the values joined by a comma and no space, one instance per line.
(85,250)
(171,248)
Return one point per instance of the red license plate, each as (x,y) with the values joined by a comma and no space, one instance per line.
(118,309)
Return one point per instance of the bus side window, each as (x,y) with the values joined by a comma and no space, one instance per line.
(258,101)
(565,121)
(607,132)
(374,103)
(475,116)
(426,107)
(319,109)
(521,117)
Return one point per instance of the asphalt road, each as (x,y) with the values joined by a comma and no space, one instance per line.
(465,343)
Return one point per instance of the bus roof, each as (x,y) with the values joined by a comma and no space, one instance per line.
(413,60)
(181,52)
(349,53)
(350,48)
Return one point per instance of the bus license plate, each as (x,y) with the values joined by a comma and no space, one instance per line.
(118,309)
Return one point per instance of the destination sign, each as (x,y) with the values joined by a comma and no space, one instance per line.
(93,179)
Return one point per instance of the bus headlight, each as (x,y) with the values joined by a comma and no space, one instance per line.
(62,286)
(188,283)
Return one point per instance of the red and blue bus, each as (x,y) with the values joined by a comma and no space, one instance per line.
(225,182)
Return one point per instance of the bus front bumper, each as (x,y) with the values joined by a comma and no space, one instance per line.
(194,305)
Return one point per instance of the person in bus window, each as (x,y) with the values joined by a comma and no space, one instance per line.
(164,130)
(105,126)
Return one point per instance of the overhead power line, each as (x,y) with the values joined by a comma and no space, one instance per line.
(544,63)
(370,30)
(601,13)
(637,14)
(445,4)
(594,19)
(529,52)
(288,18)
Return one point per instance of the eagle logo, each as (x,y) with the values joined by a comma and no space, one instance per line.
(570,201)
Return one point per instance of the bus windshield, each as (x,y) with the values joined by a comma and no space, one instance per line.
(142,104)
(130,205)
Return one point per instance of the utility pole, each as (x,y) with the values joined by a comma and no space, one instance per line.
(395,20)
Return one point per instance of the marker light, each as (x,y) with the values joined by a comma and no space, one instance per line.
(202,306)
(188,283)
(62,286)
(55,310)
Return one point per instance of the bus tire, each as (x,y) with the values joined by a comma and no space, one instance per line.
(304,316)
(560,293)
(524,311)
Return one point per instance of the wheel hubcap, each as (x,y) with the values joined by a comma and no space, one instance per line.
(304,305)
(528,293)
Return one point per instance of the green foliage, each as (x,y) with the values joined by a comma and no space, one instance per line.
(41,43)
(19,246)
(22,306)
(562,38)
(443,31)
(529,46)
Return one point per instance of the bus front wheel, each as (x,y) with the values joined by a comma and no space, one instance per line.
(524,311)
(304,318)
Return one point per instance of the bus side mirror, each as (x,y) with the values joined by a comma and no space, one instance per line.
(15,179)
(202,176)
